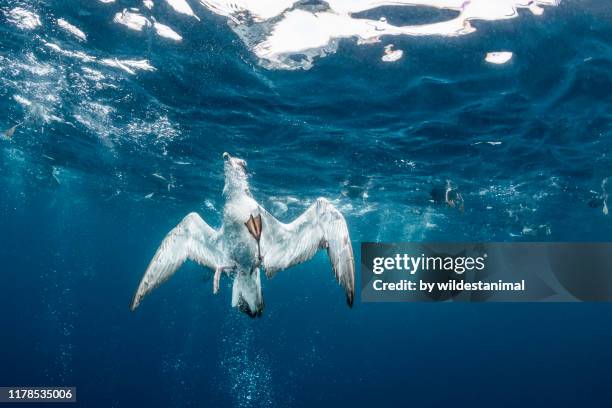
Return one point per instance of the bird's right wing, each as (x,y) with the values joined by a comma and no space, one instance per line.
(191,239)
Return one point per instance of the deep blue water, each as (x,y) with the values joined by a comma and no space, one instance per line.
(78,223)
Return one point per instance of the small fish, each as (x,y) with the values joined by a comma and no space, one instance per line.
(491,143)
(10,132)
(54,174)
(159,176)
(453,197)
(171,184)
(604,195)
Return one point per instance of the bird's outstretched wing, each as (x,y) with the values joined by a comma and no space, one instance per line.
(191,239)
(320,226)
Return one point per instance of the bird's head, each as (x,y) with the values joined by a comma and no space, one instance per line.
(235,170)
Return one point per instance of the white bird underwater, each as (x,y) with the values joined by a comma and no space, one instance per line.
(249,239)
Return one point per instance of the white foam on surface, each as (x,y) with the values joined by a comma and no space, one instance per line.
(182,7)
(166,32)
(72,29)
(259,10)
(148,4)
(278,30)
(132,20)
(392,55)
(92,74)
(129,66)
(73,54)
(137,22)
(23,19)
(35,85)
(43,91)
(498,57)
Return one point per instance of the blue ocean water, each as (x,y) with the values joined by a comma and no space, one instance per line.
(111,154)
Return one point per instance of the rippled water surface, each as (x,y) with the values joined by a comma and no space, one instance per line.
(124,108)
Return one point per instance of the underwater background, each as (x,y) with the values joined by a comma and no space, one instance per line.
(120,134)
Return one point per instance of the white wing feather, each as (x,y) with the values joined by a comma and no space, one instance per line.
(191,239)
(320,226)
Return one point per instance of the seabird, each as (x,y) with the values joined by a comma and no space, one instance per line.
(250,239)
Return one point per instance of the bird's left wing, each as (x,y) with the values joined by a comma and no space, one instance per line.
(191,239)
(320,226)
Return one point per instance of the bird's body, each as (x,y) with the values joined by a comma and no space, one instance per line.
(251,238)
